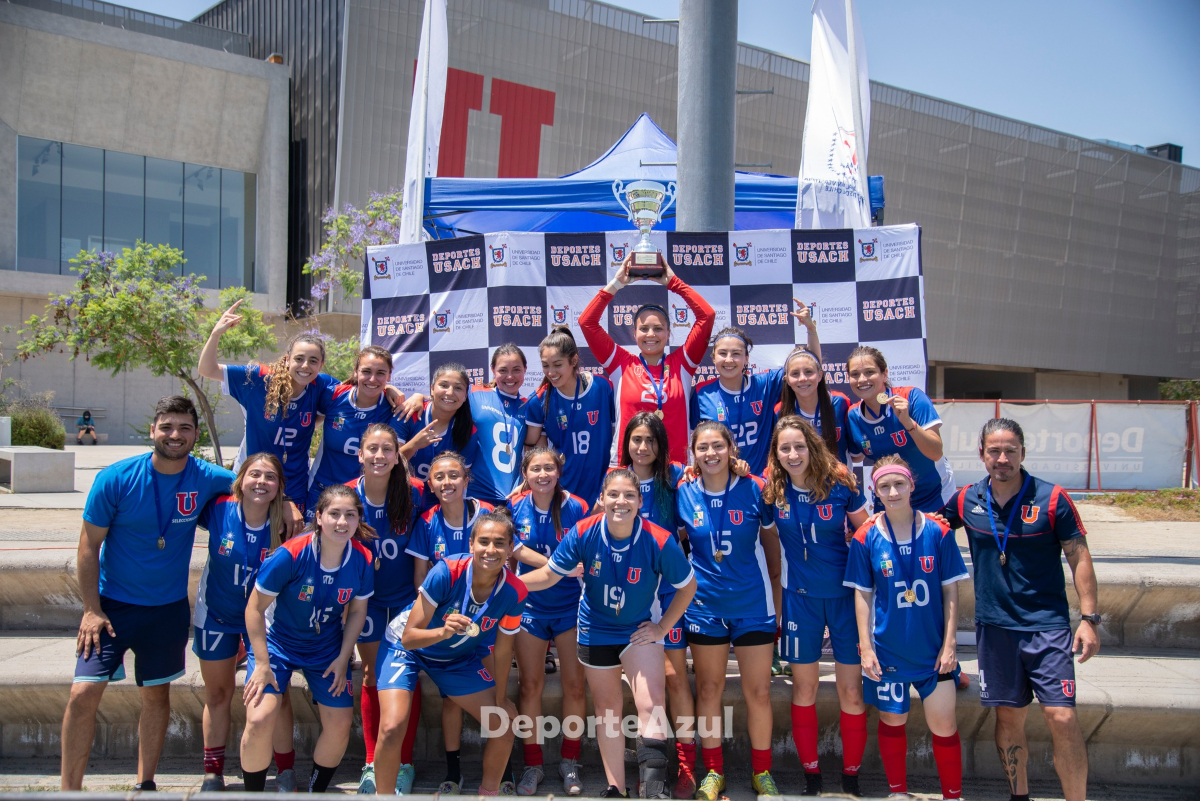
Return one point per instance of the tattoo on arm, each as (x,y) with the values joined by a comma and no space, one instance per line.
(1009,758)
(1073,546)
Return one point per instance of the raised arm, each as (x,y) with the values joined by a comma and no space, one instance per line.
(209,367)
(696,344)
(804,315)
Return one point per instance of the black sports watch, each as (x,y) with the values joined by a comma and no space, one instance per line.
(1093,619)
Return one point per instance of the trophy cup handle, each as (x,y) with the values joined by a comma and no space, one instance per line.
(668,200)
(618,188)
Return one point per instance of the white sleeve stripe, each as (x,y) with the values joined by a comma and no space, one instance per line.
(557,569)
(411,552)
(425,592)
(953,579)
(852,585)
(529,424)
(264,591)
(859,509)
(937,421)
(368,595)
(510,631)
(691,574)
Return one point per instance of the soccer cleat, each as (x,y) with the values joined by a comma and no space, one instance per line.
(568,769)
(551,666)
(213,784)
(850,784)
(710,786)
(448,788)
(685,782)
(530,780)
(285,781)
(404,780)
(366,782)
(147,786)
(763,784)
(776,665)
(813,785)
(612,792)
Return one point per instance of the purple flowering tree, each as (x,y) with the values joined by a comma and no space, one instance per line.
(135,310)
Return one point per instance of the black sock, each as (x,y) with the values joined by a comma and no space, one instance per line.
(147,786)
(1015,797)
(321,777)
(453,770)
(509,773)
(256,780)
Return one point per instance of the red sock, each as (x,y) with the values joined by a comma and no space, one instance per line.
(570,748)
(854,742)
(285,761)
(214,760)
(714,759)
(893,750)
(947,753)
(369,703)
(804,733)
(533,755)
(686,752)
(760,760)
(410,734)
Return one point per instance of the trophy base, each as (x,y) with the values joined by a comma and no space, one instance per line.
(647,265)
(645,258)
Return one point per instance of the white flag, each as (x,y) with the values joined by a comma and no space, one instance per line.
(425,119)
(833,180)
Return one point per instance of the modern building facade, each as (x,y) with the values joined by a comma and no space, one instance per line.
(118,126)
(1056,266)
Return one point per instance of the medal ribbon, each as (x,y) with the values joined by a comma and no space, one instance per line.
(618,576)
(1002,545)
(810,524)
(658,385)
(466,603)
(735,428)
(570,409)
(510,445)
(158,513)
(715,530)
(912,554)
(322,597)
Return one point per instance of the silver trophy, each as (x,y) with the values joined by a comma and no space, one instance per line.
(644,202)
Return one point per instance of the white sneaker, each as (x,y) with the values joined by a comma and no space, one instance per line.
(530,780)
(569,770)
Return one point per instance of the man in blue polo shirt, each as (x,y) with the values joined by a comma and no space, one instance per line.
(1018,528)
(139,526)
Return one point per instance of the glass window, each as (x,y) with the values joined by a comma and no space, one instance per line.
(237,229)
(82,202)
(164,203)
(124,200)
(39,210)
(202,222)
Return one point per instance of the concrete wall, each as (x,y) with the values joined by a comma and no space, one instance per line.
(1081,386)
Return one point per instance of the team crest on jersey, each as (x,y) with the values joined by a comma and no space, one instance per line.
(756,406)
(784,512)
(634,575)
(381,267)
(825,511)
(306,590)
(594,570)
(559,315)
(344,594)
(1068,686)
(742,254)
(498,254)
(185,502)
(338,422)
(865,446)
(885,567)
(735,516)
(526,529)
(681,315)
(226,546)
(866,250)
(486,623)
(441,321)
(1029,514)
(562,421)
(900,438)
(439,548)
(594,416)
(927,564)
(697,516)
(618,253)
(306,420)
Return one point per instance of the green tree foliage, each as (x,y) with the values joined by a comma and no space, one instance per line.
(1179,390)
(135,311)
(34,420)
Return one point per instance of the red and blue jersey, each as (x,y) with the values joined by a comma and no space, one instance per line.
(580,429)
(288,433)
(841,407)
(448,589)
(749,413)
(498,442)
(738,586)
(885,436)
(138,505)
(394,585)
(336,461)
(307,594)
(423,459)
(812,538)
(235,553)
(908,634)
(434,539)
(535,530)
(1028,593)
(620,577)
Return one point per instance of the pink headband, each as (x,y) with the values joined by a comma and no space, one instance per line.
(890,469)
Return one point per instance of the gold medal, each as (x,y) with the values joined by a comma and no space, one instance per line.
(473,630)
(658,413)
(378,562)
(162,543)
(910,595)
(720,557)
(1003,559)
(882,398)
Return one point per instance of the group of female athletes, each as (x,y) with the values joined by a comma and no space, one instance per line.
(724,514)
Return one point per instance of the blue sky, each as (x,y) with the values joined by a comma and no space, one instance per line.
(1103,69)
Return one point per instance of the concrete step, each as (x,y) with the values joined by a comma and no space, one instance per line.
(1139,711)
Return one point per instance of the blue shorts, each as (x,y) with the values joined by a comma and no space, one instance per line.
(804,622)
(318,685)
(1013,665)
(397,669)
(547,628)
(893,696)
(157,635)
(676,639)
(377,621)
(706,630)
(213,646)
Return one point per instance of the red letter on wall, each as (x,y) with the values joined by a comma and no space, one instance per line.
(464,93)
(523,110)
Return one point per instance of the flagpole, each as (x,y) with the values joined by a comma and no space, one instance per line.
(860,133)
(417,204)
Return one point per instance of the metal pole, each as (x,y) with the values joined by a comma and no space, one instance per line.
(707,109)
(860,134)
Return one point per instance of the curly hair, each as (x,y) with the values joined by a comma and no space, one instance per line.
(824,470)
(279,379)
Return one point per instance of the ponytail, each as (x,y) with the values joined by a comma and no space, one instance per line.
(562,340)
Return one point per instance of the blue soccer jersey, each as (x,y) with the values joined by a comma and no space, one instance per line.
(620,577)
(336,461)
(1028,592)
(448,589)
(535,529)
(394,585)
(812,538)
(151,521)
(288,433)
(304,624)
(661,511)
(423,459)
(580,429)
(498,442)
(841,407)
(737,586)
(235,553)
(434,539)
(885,436)
(908,631)
(749,414)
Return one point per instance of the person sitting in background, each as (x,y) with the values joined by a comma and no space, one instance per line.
(85,425)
